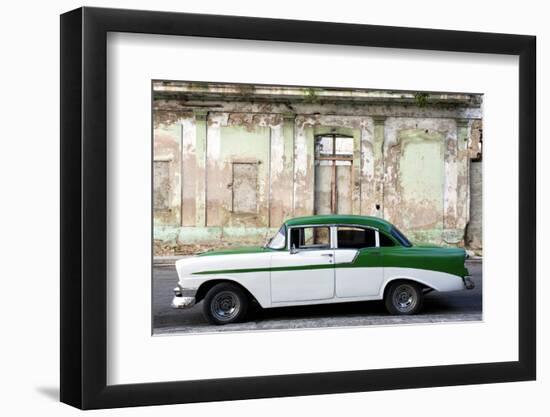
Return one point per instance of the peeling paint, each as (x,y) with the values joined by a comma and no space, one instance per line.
(411,161)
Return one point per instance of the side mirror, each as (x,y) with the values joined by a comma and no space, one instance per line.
(293,249)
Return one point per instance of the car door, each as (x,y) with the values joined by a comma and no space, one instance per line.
(359,271)
(305,270)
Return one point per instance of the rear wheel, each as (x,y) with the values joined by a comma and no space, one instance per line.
(404,298)
(225,303)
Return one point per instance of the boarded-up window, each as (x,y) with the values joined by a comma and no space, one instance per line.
(161,185)
(333,174)
(245,187)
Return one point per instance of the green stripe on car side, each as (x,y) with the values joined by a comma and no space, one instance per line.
(236,251)
(448,260)
(280,268)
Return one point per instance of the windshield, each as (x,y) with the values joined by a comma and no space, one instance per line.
(278,241)
(400,237)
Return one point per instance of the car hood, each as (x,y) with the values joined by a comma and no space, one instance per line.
(224,262)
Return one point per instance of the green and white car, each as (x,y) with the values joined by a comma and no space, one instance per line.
(320,260)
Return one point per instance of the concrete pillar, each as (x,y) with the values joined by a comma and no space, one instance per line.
(356,174)
(452,233)
(281,170)
(463,174)
(200,180)
(289,120)
(304,170)
(188,168)
(474,234)
(379,170)
(367,171)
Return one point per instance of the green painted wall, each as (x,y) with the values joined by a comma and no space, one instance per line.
(422,178)
(237,144)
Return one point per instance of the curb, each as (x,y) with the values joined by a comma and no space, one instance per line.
(166,260)
(474,259)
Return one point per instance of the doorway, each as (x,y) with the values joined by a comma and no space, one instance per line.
(333,174)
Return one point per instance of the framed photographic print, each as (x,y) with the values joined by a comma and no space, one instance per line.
(256,208)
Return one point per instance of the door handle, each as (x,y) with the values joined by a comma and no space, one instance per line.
(327,254)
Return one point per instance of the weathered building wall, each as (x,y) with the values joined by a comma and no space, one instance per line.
(167,174)
(474,235)
(232,169)
(474,230)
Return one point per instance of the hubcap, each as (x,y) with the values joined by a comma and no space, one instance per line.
(404,298)
(225,306)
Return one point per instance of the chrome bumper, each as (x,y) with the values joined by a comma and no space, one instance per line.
(468,283)
(183,302)
(183,298)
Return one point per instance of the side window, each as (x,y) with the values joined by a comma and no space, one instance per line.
(385,241)
(356,238)
(310,237)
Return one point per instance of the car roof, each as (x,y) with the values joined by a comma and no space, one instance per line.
(370,221)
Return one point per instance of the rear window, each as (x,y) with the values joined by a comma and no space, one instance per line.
(401,238)
(385,240)
(355,238)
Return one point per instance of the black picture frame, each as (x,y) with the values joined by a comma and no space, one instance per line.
(84,207)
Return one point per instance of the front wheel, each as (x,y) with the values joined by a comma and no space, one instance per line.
(404,298)
(225,303)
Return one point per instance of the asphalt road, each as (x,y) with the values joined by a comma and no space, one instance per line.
(438,307)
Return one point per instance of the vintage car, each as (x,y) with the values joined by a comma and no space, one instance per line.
(320,260)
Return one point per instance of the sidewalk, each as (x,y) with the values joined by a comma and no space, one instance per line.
(167,260)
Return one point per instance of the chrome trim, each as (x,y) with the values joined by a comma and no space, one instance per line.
(355,256)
